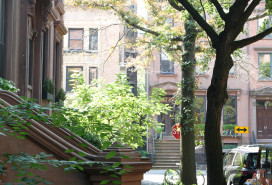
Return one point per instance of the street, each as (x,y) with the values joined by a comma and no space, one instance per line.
(155,177)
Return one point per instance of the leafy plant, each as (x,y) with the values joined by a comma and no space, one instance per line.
(112,112)
(61,95)
(48,86)
(228,126)
(7,85)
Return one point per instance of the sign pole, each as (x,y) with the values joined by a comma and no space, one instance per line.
(241,139)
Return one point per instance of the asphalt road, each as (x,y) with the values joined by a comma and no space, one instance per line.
(155,177)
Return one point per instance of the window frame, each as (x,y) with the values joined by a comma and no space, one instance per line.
(76,39)
(204,104)
(91,31)
(235,111)
(67,79)
(91,79)
(270,78)
(170,63)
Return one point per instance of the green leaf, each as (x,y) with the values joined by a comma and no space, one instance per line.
(69,151)
(116,164)
(105,182)
(81,154)
(124,156)
(83,145)
(116,182)
(80,167)
(111,154)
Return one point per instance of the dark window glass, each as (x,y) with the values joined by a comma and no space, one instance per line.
(166,66)
(93,74)
(264,65)
(201,108)
(69,76)
(93,42)
(76,39)
(30,62)
(229,111)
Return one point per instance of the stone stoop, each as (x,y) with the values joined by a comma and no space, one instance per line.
(167,153)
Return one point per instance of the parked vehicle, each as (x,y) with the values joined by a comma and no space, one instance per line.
(240,163)
(263,175)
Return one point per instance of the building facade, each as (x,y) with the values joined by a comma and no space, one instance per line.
(31,44)
(94,46)
(249,89)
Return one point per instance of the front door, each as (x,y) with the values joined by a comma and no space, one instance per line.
(264,122)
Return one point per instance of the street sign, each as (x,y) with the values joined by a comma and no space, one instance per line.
(241,130)
(176,131)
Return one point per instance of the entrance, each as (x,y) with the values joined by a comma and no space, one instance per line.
(264,119)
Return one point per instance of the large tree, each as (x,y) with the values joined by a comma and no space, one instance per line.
(172,30)
(234,16)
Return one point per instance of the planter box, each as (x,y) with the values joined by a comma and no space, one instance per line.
(47,96)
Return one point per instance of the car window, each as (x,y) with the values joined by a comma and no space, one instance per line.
(237,160)
(228,159)
(251,160)
(265,164)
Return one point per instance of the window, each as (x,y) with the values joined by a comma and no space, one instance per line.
(166,66)
(2,36)
(30,61)
(76,39)
(237,160)
(228,159)
(93,74)
(130,55)
(229,111)
(70,71)
(201,108)
(93,39)
(130,32)
(265,65)
(263,24)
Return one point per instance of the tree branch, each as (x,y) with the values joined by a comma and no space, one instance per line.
(258,16)
(241,43)
(175,5)
(249,10)
(219,9)
(196,16)
(137,26)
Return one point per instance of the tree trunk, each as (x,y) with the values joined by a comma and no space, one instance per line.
(188,166)
(217,96)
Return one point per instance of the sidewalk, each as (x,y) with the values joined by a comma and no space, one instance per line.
(155,177)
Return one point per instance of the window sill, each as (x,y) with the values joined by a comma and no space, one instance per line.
(79,51)
(264,80)
(202,75)
(167,75)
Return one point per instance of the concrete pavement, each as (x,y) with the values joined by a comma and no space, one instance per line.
(155,177)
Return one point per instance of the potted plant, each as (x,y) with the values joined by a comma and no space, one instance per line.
(159,131)
(60,96)
(228,129)
(48,89)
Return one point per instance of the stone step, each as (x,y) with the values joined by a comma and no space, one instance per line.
(173,162)
(157,167)
(169,148)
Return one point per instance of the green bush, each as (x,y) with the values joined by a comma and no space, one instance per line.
(48,86)
(7,85)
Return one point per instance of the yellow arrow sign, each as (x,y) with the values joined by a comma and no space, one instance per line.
(241,130)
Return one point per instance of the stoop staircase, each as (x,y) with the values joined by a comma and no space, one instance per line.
(166,153)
